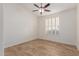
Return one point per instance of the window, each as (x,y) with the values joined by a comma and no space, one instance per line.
(52,24)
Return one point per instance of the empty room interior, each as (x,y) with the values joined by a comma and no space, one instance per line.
(39,29)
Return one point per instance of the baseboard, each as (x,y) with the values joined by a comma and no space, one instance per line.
(59,42)
(34,38)
(19,42)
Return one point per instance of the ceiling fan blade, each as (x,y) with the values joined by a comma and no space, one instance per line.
(46,5)
(35,10)
(47,10)
(36,5)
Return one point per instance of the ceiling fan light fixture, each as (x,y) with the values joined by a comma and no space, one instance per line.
(41,10)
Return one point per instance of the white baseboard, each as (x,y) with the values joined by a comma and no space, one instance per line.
(56,41)
(19,42)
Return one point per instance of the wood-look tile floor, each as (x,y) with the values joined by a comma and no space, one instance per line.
(41,48)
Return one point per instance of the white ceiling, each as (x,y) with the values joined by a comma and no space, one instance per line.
(54,7)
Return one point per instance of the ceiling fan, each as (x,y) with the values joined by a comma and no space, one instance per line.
(41,8)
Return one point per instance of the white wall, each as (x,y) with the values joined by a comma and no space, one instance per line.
(67,33)
(1,28)
(78,26)
(19,25)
